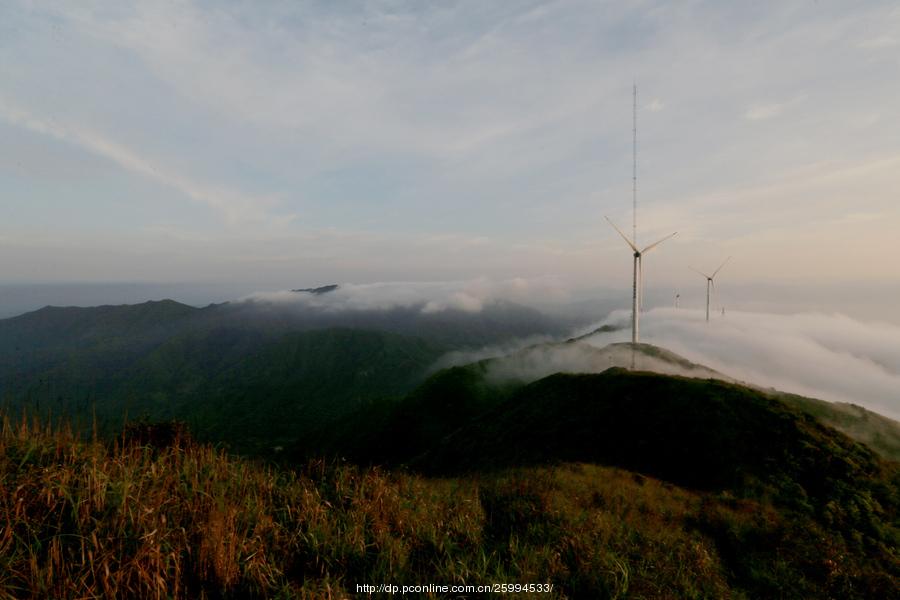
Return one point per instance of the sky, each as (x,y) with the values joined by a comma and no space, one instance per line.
(289,144)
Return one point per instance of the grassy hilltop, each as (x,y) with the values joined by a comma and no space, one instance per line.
(809,513)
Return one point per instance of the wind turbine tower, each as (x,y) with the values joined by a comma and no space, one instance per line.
(710,283)
(637,286)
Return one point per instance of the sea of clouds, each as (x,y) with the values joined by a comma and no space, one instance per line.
(429,297)
(823,355)
(827,356)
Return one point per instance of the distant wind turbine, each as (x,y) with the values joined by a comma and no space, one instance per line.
(710,282)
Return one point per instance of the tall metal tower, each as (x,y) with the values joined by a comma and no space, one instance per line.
(634,164)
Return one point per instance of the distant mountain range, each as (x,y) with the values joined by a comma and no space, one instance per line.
(246,373)
(319,290)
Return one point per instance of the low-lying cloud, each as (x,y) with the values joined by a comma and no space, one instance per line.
(827,356)
(428,297)
(542,360)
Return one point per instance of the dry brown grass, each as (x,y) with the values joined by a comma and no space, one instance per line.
(83,519)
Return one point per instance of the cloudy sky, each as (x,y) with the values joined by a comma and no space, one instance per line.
(301,143)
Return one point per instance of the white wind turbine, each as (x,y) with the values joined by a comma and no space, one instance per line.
(637,286)
(710,282)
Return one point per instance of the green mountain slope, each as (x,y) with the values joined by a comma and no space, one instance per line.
(879,433)
(396,431)
(391,430)
(54,326)
(54,339)
(241,373)
(249,390)
(698,433)
(294,387)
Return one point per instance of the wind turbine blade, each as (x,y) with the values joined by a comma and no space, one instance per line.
(627,241)
(720,266)
(699,272)
(655,244)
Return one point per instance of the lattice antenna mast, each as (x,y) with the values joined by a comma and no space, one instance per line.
(634,165)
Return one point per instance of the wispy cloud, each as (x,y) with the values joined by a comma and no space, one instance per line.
(760,112)
(235,207)
(881,41)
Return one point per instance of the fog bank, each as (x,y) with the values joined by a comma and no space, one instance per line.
(827,356)
(428,297)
